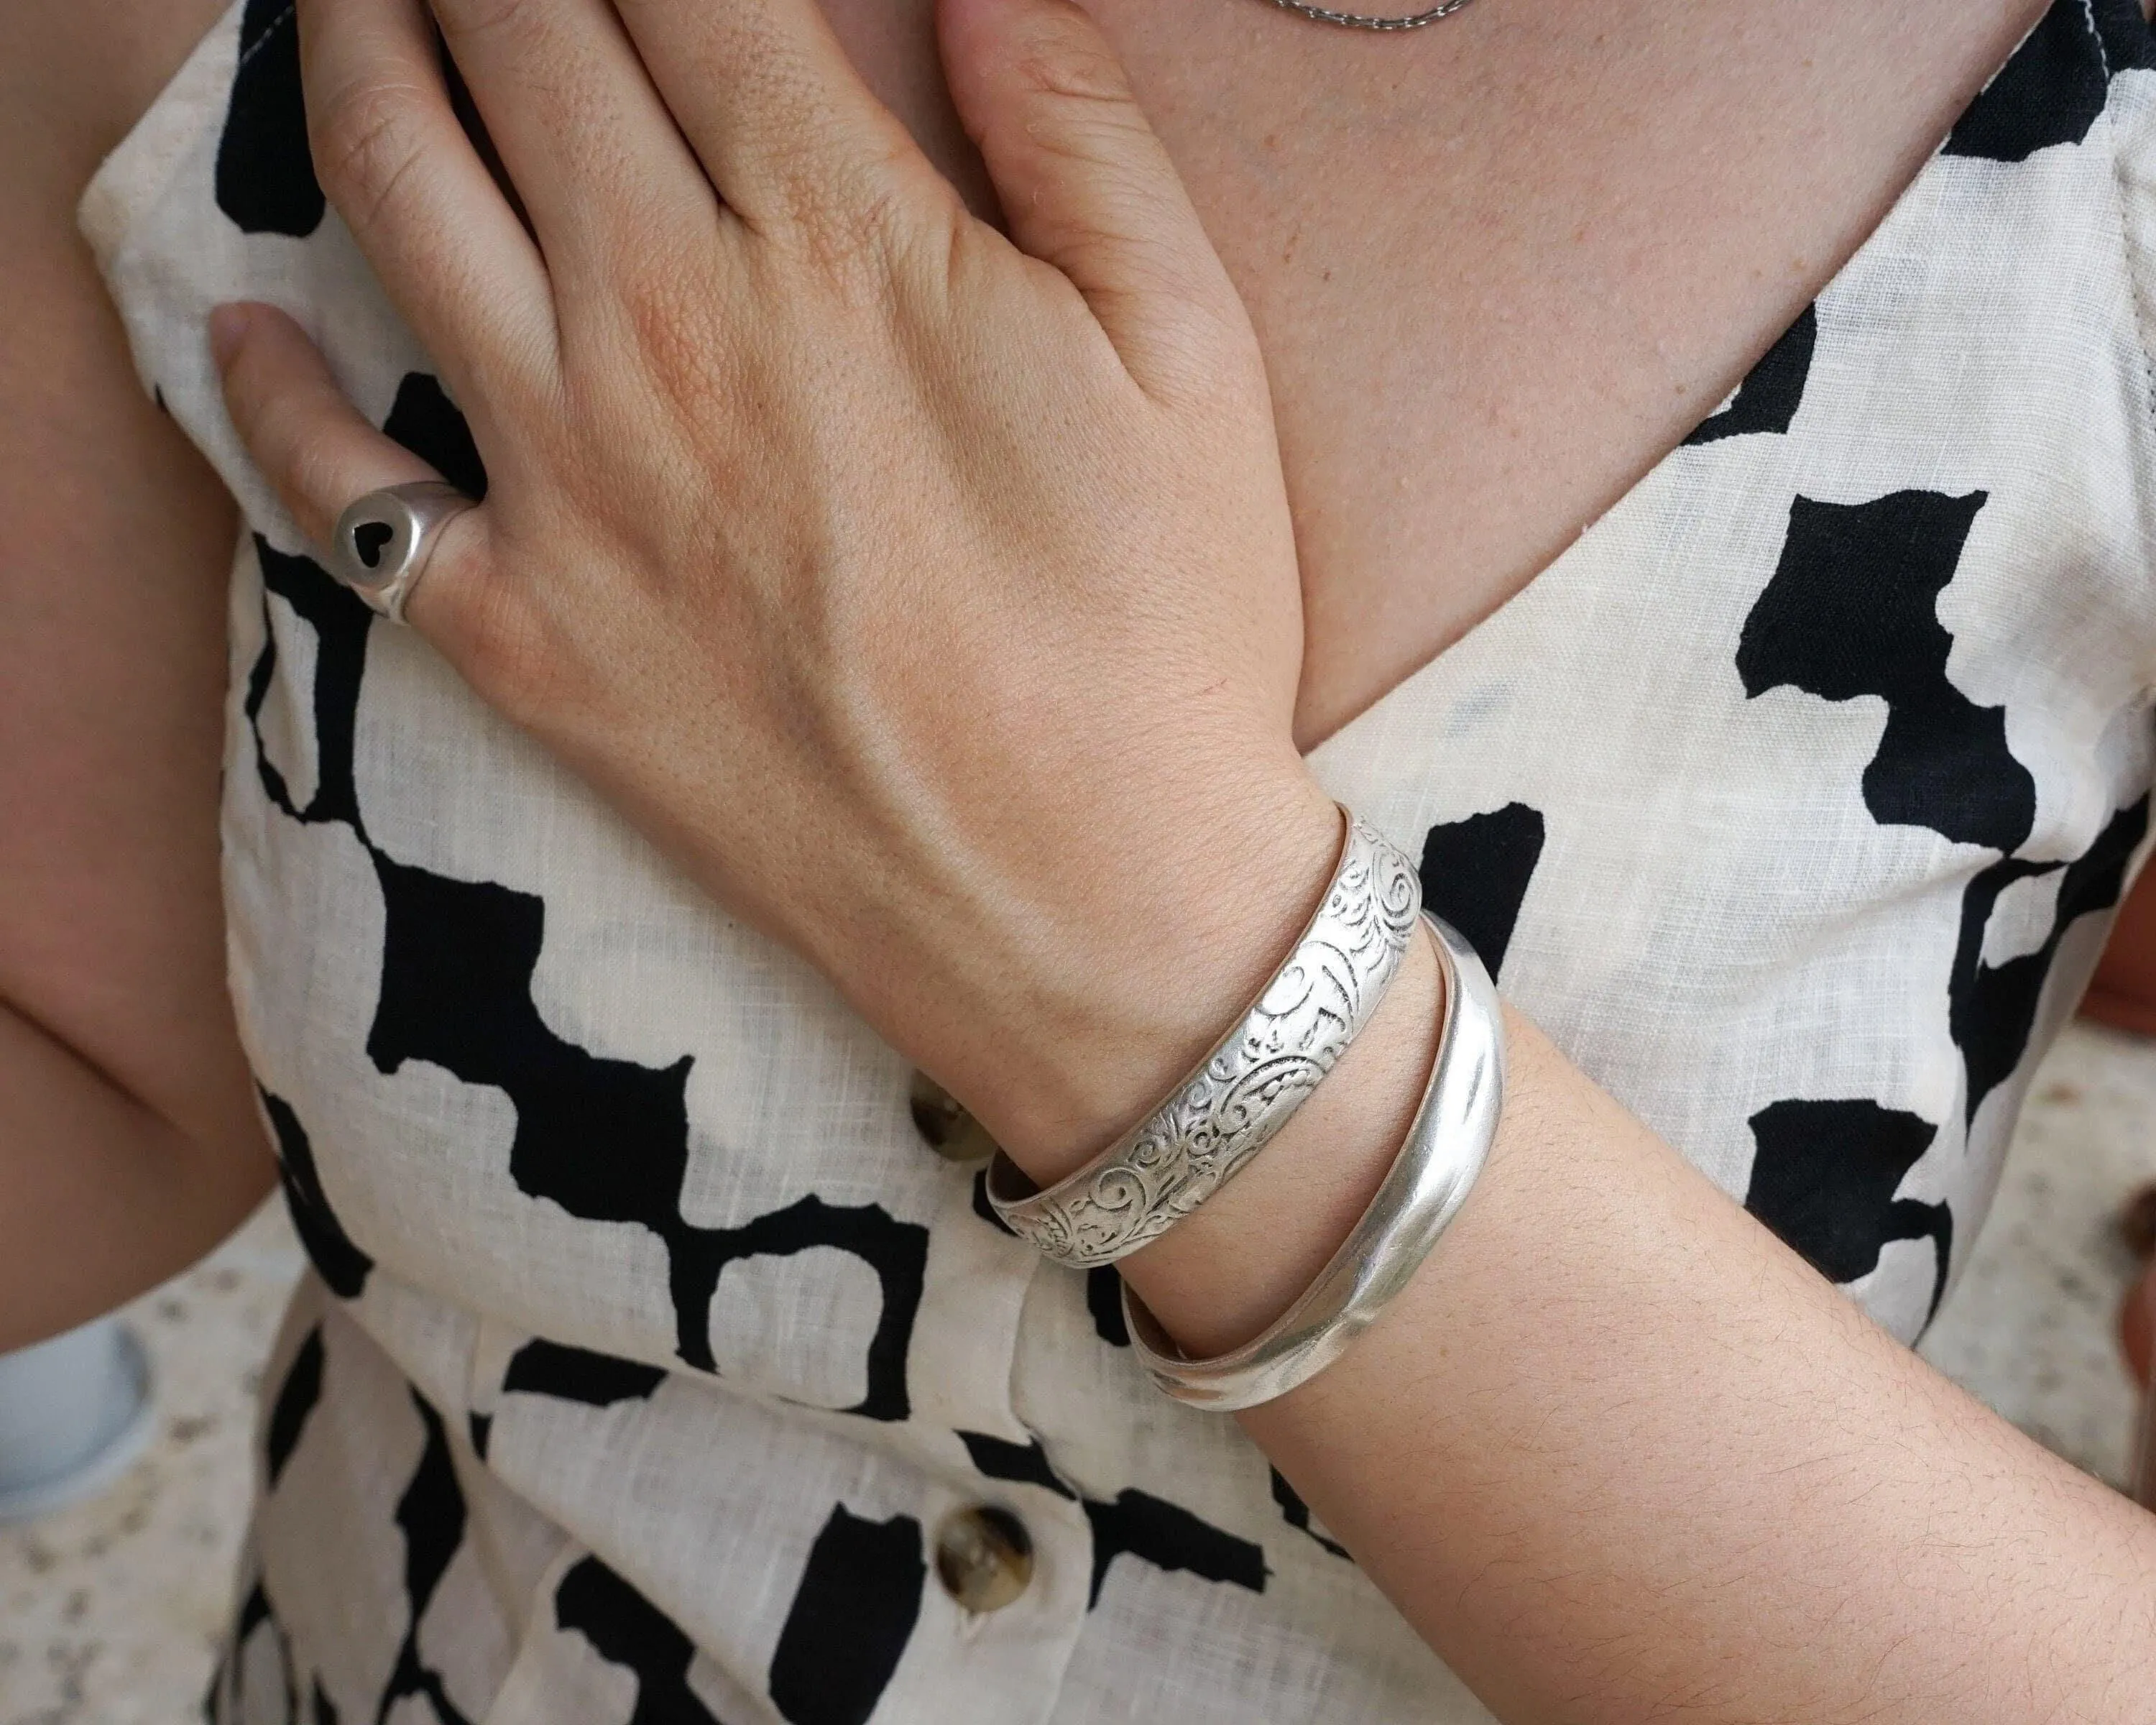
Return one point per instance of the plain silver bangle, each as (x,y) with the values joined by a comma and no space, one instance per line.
(1430,1179)
(1248,1087)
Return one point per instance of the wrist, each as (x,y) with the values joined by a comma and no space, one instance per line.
(1171,948)
(1234,1266)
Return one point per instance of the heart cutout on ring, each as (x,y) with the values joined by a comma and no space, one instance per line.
(369,539)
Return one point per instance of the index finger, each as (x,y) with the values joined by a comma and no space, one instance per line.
(786,129)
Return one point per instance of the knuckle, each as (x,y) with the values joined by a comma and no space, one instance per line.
(366,139)
(1064,59)
(470,20)
(681,351)
(845,186)
(845,233)
(474,18)
(863,230)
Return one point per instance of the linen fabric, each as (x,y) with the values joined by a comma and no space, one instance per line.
(647,1347)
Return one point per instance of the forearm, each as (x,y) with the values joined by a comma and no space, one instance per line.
(129,1140)
(1618,1454)
(99,1196)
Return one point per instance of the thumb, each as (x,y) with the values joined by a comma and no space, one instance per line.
(1085,183)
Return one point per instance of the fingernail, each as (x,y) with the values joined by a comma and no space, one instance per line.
(227,328)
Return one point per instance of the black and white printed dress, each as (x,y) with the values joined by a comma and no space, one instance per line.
(652,1364)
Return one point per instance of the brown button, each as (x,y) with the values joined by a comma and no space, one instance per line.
(983,1556)
(946,1128)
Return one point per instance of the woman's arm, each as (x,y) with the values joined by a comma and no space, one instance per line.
(764,412)
(129,1143)
(1620,1456)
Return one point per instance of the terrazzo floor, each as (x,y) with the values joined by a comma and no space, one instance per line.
(110,1609)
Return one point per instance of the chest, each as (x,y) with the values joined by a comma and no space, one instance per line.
(1500,266)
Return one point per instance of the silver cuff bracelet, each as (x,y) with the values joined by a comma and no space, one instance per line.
(1247,1088)
(1430,1179)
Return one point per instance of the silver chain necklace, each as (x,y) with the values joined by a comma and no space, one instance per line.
(1364,21)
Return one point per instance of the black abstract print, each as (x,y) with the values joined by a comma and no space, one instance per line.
(1790,802)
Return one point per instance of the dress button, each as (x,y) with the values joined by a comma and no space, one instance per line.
(983,1556)
(946,1128)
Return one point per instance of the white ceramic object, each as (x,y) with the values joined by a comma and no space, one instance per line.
(74,1413)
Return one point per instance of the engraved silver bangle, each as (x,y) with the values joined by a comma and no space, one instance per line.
(1430,1179)
(1247,1087)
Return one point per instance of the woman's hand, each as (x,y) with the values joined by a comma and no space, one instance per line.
(930,593)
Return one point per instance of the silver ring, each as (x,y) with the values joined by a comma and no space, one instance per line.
(1229,1105)
(383,540)
(1430,1179)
